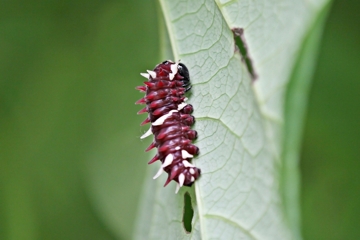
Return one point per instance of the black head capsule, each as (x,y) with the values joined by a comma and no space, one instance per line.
(183,71)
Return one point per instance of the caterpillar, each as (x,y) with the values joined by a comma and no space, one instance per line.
(170,118)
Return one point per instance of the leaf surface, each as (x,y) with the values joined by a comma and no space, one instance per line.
(239,120)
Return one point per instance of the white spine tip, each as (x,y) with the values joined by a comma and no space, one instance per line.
(152,73)
(187,164)
(168,160)
(145,135)
(145,75)
(186,155)
(177,188)
(171,76)
(181,106)
(177,148)
(192,171)
(174,68)
(181,179)
(192,179)
(161,170)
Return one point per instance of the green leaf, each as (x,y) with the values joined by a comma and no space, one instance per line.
(240,121)
(295,107)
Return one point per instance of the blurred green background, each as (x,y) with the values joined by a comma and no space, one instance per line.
(71,162)
(330,158)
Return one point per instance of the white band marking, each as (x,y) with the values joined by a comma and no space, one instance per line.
(181,106)
(162,119)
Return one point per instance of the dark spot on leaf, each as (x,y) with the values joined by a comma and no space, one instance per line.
(188,213)
(240,45)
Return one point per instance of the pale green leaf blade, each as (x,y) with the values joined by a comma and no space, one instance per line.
(294,113)
(282,38)
(239,122)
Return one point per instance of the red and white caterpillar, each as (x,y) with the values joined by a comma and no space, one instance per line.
(170,118)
